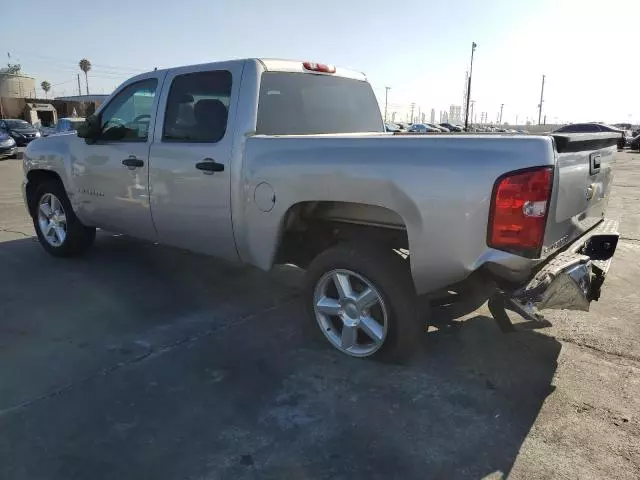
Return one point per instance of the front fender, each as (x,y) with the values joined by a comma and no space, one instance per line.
(50,154)
(53,155)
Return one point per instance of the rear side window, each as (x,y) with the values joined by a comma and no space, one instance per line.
(305,104)
(198,107)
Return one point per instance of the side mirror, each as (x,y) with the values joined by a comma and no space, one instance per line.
(90,129)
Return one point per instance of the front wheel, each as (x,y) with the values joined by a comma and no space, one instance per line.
(59,231)
(364,302)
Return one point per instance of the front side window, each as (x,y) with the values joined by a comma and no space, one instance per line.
(198,107)
(128,115)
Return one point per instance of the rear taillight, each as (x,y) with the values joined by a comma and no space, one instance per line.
(519,207)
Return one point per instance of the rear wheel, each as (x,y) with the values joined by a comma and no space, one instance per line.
(364,302)
(59,231)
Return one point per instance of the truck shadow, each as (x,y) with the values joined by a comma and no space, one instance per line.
(225,347)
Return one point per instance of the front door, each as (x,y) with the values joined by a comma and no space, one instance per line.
(190,161)
(111,175)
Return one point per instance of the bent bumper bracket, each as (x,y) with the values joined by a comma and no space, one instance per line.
(570,281)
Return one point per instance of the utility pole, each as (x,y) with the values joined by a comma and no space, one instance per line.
(516,119)
(501,107)
(466,115)
(473,103)
(386,98)
(79,90)
(413,105)
(541,100)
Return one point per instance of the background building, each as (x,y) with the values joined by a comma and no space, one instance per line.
(455,114)
(17,85)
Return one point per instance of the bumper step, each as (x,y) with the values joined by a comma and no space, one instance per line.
(571,280)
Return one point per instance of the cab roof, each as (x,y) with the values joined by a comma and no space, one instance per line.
(297,66)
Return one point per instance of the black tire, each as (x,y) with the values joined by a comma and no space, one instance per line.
(78,237)
(390,274)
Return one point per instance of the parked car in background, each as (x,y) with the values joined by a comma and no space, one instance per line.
(423,128)
(46,130)
(438,127)
(392,127)
(70,124)
(594,127)
(21,131)
(64,125)
(451,127)
(635,143)
(7,145)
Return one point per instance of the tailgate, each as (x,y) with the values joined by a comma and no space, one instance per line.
(582,183)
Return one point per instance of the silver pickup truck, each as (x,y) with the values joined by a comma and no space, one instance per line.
(268,162)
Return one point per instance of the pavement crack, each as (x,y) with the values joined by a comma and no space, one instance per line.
(71,385)
(150,353)
(6,230)
(629,239)
(633,358)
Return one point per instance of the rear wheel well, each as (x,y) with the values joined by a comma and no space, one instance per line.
(313,227)
(36,178)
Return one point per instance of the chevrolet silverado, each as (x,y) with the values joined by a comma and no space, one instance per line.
(269,162)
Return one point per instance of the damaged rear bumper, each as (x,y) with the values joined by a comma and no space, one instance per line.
(571,280)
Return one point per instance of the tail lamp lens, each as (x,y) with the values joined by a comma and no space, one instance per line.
(519,211)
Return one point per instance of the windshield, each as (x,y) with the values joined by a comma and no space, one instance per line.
(18,124)
(300,103)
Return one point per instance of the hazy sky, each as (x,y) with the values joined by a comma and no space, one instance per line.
(587,49)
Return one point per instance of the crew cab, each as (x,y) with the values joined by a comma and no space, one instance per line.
(267,162)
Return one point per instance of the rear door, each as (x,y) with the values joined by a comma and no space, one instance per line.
(582,185)
(190,174)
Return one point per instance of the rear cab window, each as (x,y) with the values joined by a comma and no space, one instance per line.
(307,104)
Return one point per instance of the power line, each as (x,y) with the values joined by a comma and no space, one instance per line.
(62,83)
(47,58)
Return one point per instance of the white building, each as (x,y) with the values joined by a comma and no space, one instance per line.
(455,114)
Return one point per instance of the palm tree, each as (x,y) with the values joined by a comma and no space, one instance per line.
(85,66)
(46,86)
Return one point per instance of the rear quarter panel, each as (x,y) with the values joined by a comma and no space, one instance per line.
(440,185)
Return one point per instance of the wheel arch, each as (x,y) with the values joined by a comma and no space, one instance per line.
(310,227)
(35,178)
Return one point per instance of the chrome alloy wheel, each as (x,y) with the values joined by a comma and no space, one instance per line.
(351,312)
(52,220)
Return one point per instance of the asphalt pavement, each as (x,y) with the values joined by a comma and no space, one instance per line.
(138,361)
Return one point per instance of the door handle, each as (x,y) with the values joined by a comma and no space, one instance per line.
(210,166)
(132,162)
